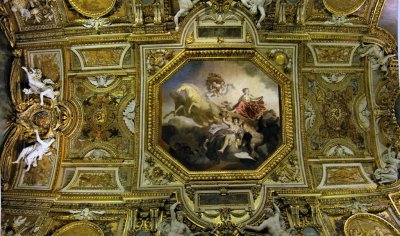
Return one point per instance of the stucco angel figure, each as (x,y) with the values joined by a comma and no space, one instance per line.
(35,152)
(85,214)
(184,7)
(377,56)
(38,85)
(272,224)
(257,5)
(176,227)
(390,172)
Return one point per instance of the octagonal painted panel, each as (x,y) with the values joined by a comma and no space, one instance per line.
(230,114)
(220,115)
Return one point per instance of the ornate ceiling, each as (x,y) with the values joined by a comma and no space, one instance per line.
(165,117)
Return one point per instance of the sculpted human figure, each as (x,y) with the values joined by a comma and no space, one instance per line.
(389,173)
(86,214)
(272,224)
(184,7)
(255,5)
(377,56)
(35,152)
(43,87)
(176,227)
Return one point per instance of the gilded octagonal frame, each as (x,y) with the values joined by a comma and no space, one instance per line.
(153,111)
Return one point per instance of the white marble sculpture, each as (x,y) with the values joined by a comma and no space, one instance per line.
(97,154)
(184,7)
(85,214)
(257,5)
(129,115)
(309,114)
(97,23)
(357,207)
(38,85)
(35,152)
(334,77)
(390,172)
(101,81)
(39,10)
(377,56)
(21,7)
(176,227)
(338,20)
(272,224)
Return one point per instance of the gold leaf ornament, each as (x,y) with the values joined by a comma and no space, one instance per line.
(93,8)
(340,7)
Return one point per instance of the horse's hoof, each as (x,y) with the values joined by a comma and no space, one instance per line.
(176,28)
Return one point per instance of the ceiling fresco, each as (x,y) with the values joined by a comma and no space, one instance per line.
(180,117)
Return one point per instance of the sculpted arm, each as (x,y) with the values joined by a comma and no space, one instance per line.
(38,138)
(246,3)
(276,208)
(172,210)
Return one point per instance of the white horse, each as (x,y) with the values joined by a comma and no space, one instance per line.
(35,152)
(43,87)
(184,7)
(255,5)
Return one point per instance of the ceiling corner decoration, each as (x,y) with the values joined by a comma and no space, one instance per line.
(167,117)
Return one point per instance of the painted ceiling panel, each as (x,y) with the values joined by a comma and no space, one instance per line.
(180,117)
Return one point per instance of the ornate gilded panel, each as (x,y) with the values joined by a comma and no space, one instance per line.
(345,176)
(200,118)
(94,180)
(362,223)
(201,114)
(101,56)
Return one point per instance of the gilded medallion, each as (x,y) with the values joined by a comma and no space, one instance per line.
(339,7)
(80,228)
(368,224)
(92,8)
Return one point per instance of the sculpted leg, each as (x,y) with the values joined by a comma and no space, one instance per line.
(23,154)
(176,18)
(254,228)
(41,97)
(262,17)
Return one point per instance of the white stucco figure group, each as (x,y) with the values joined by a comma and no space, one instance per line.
(31,154)
(390,172)
(175,227)
(272,224)
(338,20)
(38,85)
(257,6)
(97,23)
(184,7)
(129,115)
(85,214)
(377,56)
